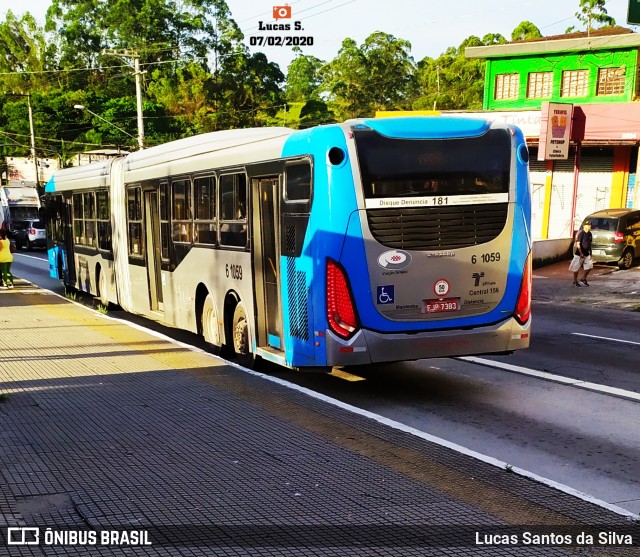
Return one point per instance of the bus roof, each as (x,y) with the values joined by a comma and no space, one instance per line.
(246,143)
(85,176)
(424,127)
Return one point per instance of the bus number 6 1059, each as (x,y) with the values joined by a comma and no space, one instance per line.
(235,271)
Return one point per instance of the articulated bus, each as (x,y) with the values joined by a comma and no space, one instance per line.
(373,240)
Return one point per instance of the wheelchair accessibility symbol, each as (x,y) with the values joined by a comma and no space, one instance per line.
(385,294)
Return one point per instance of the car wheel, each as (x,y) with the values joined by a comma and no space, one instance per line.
(29,245)
(241,347)
(626,260)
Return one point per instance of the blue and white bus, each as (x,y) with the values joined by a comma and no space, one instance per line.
(373,240)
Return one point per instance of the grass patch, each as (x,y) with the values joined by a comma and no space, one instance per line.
(71,295)
(102,309)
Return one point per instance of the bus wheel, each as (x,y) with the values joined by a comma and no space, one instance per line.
(209,326)
(102,290)
(243,355)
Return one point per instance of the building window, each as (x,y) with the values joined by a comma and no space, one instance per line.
(575,83)
(610,81)
(540,85)
(507,86)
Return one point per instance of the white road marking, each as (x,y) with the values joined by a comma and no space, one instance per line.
(32,257)
(555,378)
(607,338)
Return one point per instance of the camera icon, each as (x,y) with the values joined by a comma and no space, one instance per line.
(282,12)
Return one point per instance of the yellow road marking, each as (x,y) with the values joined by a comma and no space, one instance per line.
(337,372)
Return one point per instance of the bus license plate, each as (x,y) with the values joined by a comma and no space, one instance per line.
(439,306)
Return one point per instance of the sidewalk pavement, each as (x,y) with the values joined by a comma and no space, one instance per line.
(107,428)
(609,287)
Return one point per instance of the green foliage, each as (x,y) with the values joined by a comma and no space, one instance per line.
(303,78)
(71,295)
(199,76)
(593,14)
(246,91)
(370,77)
(25,52)
(452,81)
(315,113)
(525,31)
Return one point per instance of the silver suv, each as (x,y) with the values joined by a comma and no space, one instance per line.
(616,236)
(30,234)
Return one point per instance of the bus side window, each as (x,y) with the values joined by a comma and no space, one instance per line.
(134,213)
(233,210)
(181,205)
(205,225)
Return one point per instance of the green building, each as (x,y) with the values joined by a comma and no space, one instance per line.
(596,74)
(599,67)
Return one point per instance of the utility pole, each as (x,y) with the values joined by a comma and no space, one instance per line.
(138,75)
(33,141)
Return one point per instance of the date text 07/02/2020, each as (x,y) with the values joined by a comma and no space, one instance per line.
(280,40)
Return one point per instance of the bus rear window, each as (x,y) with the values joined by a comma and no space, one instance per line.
(392,167)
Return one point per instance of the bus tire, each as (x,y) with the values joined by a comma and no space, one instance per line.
(241,344)
(209,326)
(102,291)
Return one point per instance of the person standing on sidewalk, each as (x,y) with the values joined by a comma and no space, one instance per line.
(6,258)
(582,254)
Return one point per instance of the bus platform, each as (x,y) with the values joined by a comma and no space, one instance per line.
(118,441)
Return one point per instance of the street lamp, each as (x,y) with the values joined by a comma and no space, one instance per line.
(82,107)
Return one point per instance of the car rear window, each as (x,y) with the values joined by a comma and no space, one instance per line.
(38,225)
(604,224)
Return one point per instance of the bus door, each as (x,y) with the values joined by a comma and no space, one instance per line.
(266,242)
(67,216)
(153,248)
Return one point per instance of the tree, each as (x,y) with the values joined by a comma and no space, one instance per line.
(159,30)
(246,91)
(493,38)
(525,31)
(314,113)
(374,76)
(593,12)
(452,81)
(303,77)
(24,53)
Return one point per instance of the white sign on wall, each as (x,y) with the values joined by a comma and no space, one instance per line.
(555,131)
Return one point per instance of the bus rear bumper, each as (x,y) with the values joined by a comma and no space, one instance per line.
(369,346)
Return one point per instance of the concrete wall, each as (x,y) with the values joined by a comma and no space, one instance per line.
(550,251)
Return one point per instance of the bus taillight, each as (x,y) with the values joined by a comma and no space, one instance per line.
(341,311)
(523,305)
